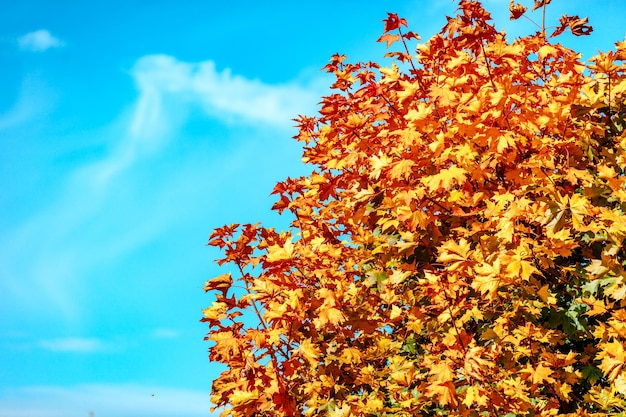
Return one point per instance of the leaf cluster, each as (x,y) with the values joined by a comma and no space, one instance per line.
(458,249)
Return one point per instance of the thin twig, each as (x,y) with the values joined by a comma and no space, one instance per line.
(543,19)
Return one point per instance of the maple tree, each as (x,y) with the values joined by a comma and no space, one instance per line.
(459,247)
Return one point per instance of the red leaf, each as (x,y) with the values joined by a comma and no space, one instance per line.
(393,22)
(517,10)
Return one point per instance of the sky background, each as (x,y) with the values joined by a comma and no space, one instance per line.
(129,130)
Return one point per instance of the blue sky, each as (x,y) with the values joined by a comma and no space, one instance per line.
(128,131)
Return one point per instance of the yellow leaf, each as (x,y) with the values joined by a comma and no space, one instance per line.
(398,277)
(351,355)
(277,253)
(475,365)
(221,283)
(546,50)
(239,397)
(308,351)
(446,178)
(401,169)
(343,411)
(578,208)
(606,172)
(519,266)
(564,390)
(416,117)
(442,372)
(330,315)
(275,311)
(445,393)
(613,359)
(597,307)
(539,374)
(474,396)
(487,279)
(377,164)
(450,251)
(620,383)
(443,95)
(395,313)
(217,311)
(546,296)
(597,268)
(374,404)
(409,89)
(604,397)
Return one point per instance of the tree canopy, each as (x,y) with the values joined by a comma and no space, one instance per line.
(458,248)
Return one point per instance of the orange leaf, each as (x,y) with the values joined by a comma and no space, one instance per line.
(389,38)
(517,10)
(541,3)
(221,283)
(401,169)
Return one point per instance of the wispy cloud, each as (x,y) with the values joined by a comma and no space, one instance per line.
(35,99)
(39,41)
(74,345)
(223,94)
(169,89)
(104,210)
(103,400)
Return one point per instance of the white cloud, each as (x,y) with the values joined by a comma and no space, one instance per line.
(38,41)
(103,400)
(85,225)
(169,89)
(222,94)
(73,344)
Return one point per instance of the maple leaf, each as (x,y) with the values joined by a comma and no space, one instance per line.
(604,397)
(443,95)
(378,163)
(308,351)
(620,383)
(597,268)
(389,38)
(239,397)
(221,283)
(517,10)
(488,278)
(475,366)
(519,264)
(576,25)
(215,313)
(546,296)
(456,255)
(330,315)
(276,253)
(540,3)
(442,372)
(446,178)
(539,374)
(393,22)
(613,358)
(411,35)
(444,393)
(473,395)
(401,169)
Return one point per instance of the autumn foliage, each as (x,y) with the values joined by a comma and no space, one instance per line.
(459,247)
